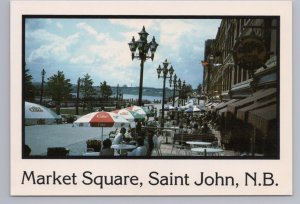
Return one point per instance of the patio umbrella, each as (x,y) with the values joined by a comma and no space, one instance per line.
(169,107)
(193,109)
(129,115)
(36,114)
(140,110)
(101,119)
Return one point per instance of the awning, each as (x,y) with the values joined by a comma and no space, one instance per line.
(251,99)
(222,111)
(261,118)
(224,104)
(242,113)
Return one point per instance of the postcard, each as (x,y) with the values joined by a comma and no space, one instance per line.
(156,98)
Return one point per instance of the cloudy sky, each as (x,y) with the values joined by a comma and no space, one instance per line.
(99,47)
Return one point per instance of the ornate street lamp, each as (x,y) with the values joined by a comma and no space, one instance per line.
(42,87)
(140,50)
(210,67)
(174,86)
(166,73)
(181,89)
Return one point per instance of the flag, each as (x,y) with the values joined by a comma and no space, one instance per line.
(204,63)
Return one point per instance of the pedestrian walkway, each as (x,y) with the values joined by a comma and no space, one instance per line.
(166,150)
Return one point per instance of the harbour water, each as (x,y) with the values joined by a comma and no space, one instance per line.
(145,97)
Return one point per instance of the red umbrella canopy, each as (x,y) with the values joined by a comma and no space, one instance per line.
(101,119)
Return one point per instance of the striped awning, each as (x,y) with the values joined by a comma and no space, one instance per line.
(242,113)
(256,96)
(261,118)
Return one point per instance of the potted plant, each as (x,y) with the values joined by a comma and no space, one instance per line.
(95,144)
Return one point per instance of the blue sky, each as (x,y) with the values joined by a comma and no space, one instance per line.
(99,47)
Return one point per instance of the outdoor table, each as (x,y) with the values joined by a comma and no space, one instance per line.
(212,151)
(92,154)
(123,146)
(199,143)
(86,154)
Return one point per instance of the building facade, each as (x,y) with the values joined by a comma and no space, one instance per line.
(247,92)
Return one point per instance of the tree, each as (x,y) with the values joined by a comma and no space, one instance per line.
(59,88)
(199,89)
(87,89)
(186,91)
(29,89)
(105,90)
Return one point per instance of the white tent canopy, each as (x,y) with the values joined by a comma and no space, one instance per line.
(36,114)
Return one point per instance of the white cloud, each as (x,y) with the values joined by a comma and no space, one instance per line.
(135,24)
(58,49)
(92,31)
(82,59)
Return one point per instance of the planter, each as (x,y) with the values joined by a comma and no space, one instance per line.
(94,144)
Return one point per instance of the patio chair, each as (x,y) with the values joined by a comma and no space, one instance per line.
(112,134)
(157,147)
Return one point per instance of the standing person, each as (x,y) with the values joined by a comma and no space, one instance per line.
(107,150)
(120,136)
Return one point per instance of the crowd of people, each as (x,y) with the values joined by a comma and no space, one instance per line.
(145,136)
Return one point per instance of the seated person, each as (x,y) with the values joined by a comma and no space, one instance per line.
(205,128)
(107,150)
(195,129)
(120,136)
(141,150)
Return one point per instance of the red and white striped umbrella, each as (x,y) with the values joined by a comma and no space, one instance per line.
(129,115)
(101,119)
(140,110)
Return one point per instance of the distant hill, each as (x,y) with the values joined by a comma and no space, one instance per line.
(149,91)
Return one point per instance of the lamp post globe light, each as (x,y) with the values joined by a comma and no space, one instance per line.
(166,73)
(140,50)
(174,87)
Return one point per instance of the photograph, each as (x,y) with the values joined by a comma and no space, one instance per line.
(150,87)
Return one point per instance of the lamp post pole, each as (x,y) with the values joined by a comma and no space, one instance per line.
(165,71)
(210,67)
(139,49)
(77,96)
(175,86)
(42,86)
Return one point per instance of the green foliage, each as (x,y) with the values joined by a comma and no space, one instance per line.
(199,89)
(71,111)
(95,144)
(105,90)
(59,88)
(87,90)
(29,89)
(86,87)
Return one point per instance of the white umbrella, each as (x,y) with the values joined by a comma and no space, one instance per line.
(101,119)
(169,107)
(36,114)
(140,110)
(129,115)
